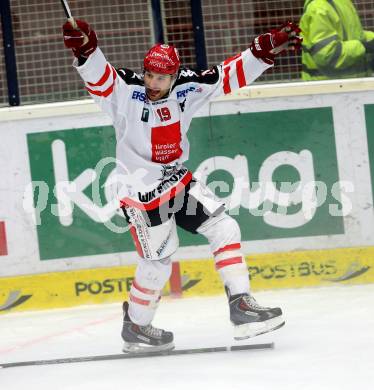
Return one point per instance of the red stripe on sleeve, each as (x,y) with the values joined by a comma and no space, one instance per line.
(108,91)
(226,262)
(240,73)
(103,78)
(226,248)
(226,81)
(226,62)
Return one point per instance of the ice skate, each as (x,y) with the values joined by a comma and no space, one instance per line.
(144,338)
(250,319)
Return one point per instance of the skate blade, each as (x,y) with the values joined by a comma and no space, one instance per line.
(253,329)
(139,347)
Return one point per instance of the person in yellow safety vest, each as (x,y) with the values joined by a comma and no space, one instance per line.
(334,42)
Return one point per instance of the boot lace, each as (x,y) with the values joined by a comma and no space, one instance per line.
(251,302)
(149,330)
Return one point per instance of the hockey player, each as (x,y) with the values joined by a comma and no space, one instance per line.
(151,113)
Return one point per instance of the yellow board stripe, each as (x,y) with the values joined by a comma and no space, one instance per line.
(198,278)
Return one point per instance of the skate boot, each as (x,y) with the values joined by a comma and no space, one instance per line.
(143,338)
(250,319)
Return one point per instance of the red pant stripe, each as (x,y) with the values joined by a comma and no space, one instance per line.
(139,301)
(226,262)
(143,289)
(136,240)
(226,248)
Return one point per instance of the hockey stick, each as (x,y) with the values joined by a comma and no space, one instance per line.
(139,355)
(67,11)
(70,18)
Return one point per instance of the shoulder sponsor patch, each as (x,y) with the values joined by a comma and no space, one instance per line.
(183,93)
(139,95)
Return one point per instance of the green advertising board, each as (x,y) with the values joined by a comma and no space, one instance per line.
(292,145)
(369,116)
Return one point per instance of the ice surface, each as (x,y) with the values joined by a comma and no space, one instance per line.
(327,343)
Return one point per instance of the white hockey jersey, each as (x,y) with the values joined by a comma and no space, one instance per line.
(152,142)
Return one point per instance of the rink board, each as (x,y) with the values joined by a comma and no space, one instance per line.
(70,248)
(189,279)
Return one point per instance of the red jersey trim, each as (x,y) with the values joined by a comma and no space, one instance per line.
(226,81)
(230,59)
(240,73)
(103,78)
(108,91)
(155,203)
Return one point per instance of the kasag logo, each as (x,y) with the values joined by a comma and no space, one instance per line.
(276,171)
(264,198)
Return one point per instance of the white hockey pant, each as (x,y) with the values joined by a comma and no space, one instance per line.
(223,234)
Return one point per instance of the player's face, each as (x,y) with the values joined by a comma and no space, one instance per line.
(157,85)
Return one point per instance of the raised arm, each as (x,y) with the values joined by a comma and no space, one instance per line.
(100,77)
(245,67)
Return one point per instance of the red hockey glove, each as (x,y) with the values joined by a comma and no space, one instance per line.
(80,38)
(267,46)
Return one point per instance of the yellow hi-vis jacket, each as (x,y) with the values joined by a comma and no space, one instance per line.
(333,41)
